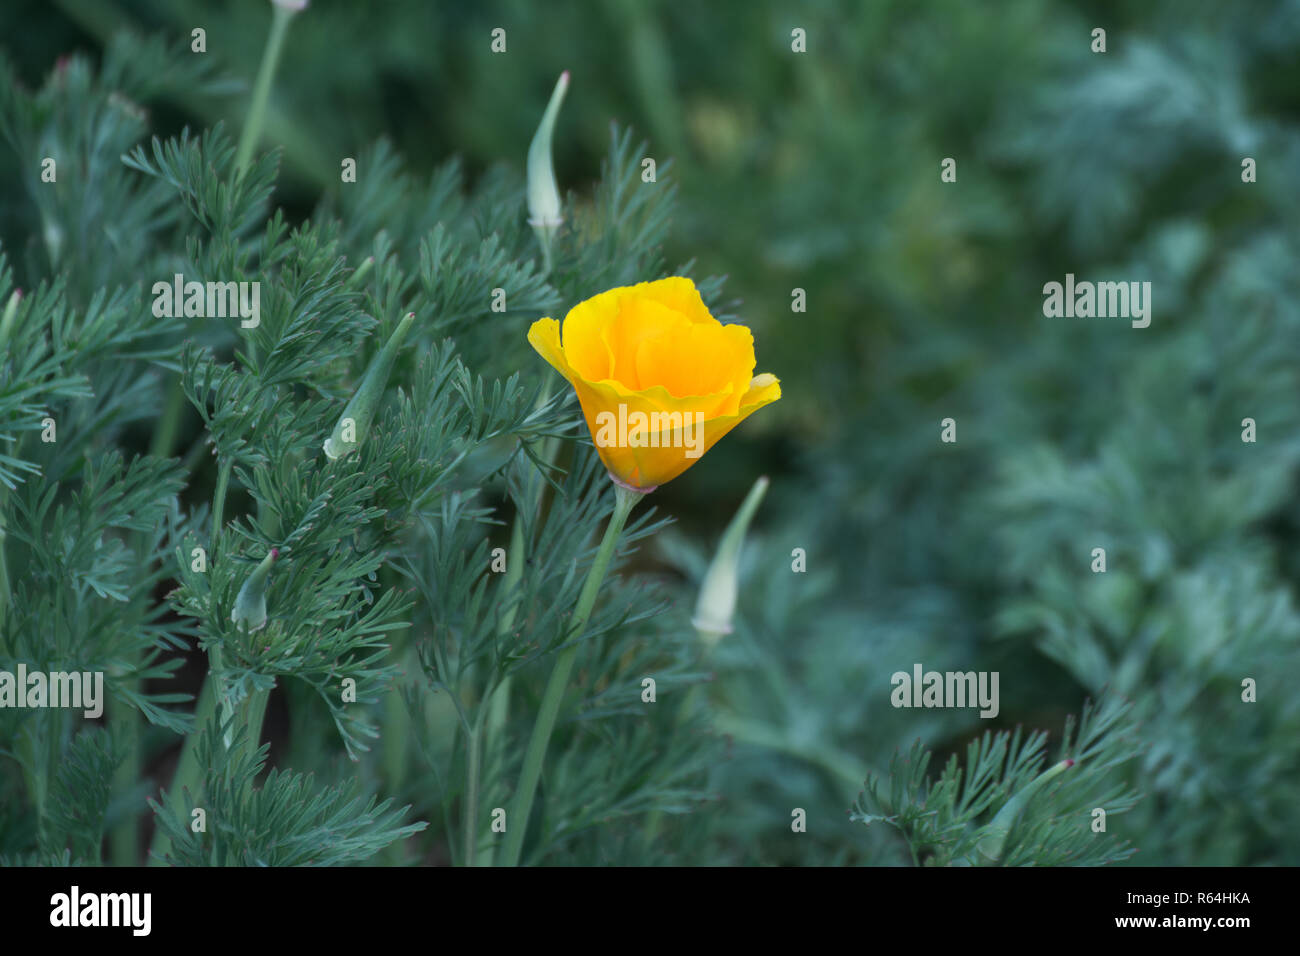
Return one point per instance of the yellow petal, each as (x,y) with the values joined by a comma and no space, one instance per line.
(652,362)
(764,389)
(544,337)
(679,294)
(584,345)
(638,322)
(639,463)
(706,359)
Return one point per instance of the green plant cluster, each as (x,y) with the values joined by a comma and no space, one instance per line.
(817,171)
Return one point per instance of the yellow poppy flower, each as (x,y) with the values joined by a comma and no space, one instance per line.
(660,380)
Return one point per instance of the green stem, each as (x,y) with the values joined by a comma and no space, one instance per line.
(188,770)
(39,749)
(164,436)
(498,706)
(32,761)
(473,760)
(397,732)
(302,148)
(280,17)
(253,713)
(495,706)
(53,757)
(624,500)
(262,87)
(124,840)
(498,702)
(219,506)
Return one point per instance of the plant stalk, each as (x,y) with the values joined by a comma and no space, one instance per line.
(187,769)
(624,500)
(262,86)
(498,701)
(124,840)
(474,748)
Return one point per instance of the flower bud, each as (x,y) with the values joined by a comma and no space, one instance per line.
(356,417)
(250,603)
(717,601)
(544,206)
(11,310)
(994,839)
(360,272)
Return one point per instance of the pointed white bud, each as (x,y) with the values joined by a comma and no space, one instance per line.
(545,211)
(357,415)
(250,602)
(717,601)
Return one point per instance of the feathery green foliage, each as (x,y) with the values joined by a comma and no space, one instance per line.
(423,584)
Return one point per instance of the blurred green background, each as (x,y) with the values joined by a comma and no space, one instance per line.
(821,171)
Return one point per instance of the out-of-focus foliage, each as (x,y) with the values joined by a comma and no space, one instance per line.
(818,171)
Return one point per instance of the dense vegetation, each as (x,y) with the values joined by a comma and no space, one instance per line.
(777,171)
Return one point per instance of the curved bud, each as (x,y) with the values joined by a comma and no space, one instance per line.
(356,417)
(11,310)
(250,603)
(360,272)
(717,600)
(545,211)
(994,839)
